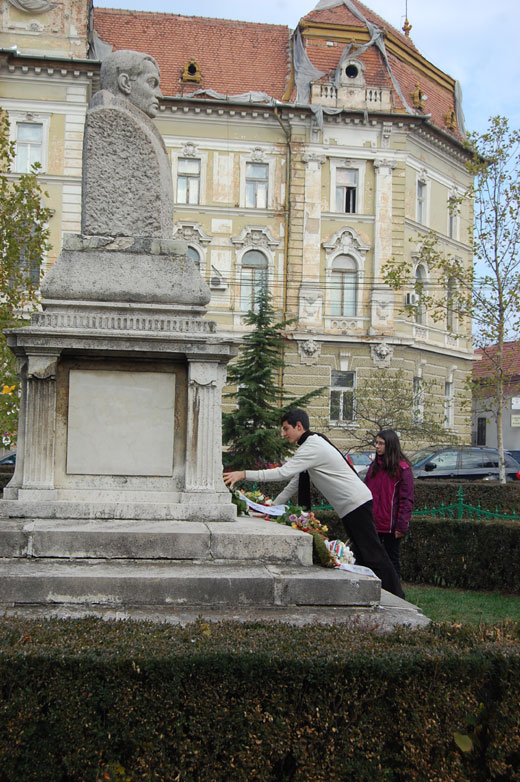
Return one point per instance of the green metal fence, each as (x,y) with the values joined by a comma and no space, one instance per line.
(456,510)
(462,510)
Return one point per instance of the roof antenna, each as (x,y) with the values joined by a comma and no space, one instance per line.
(406,26)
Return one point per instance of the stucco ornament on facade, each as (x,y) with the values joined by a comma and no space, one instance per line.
(258,155)
(346,240)
(311,305)
(189,149)
(382,354)
(192,232)
(33,6)
(255,236)
(309,351)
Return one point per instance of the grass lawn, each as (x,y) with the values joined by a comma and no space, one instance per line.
(459,605)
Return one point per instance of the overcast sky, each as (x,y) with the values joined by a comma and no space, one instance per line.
(475,42)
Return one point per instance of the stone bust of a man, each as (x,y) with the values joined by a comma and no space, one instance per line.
(133,76)
(127,182)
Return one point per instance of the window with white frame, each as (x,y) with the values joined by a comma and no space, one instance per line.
(451,311)
(481,431)
(453,217)
(420,283)
(346,190)
(194,254)
(449,404)
(253,278)
(420,211)
(343,286)
(418,399)
(188,180)
(342,386)
(257,180)
(29,146)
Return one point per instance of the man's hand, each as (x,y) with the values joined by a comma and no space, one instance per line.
(230,478)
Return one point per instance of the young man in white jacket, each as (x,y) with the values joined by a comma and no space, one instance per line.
(329,471)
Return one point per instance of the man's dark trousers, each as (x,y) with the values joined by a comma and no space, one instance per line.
(368,549)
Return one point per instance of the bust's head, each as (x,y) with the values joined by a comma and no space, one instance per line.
(134,76)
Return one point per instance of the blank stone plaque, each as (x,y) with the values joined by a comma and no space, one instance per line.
(120,422)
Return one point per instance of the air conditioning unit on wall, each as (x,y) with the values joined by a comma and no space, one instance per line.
(411,299)
(217,284)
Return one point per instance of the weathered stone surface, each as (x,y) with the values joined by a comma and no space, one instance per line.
(379,619)
(127,183)
(121,276)
(30,505)
(152,583)
(247,539)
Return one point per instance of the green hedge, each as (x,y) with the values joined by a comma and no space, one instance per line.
(447,552)
(491,495)
(85,701)
(465,554)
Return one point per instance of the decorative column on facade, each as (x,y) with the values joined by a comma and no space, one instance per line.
(40,421)
(204,427)
(382,299)
(311,296)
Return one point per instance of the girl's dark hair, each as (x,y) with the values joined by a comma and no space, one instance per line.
(392,455)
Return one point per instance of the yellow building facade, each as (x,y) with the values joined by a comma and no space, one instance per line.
(312,196)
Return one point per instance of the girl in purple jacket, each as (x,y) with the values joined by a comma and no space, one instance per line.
(390,480)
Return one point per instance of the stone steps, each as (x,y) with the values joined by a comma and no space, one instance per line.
(244,539)
(175,571)
(126,583)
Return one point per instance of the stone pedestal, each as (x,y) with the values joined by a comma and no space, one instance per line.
(121,400)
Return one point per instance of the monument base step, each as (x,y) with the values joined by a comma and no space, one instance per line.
(124,584)
(384,617)
(245,539)
(65,509)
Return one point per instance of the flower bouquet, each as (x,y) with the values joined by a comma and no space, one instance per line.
(306,521)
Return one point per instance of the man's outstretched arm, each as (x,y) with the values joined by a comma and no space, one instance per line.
(230,478)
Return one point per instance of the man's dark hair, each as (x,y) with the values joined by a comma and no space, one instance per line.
(293,416)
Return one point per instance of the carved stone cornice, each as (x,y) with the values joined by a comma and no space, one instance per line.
(255,236)
(345,240)
(191,232)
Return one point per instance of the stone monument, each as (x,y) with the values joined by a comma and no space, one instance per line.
(121,372)
(117,505)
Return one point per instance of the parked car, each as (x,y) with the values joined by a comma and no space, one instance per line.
(514,454)
(360,461)
(9,458)
(464,463)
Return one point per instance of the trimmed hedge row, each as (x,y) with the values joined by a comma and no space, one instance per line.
(87,700)
(505,498)
(467,554)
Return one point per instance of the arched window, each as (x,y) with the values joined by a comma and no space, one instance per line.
(420,280)
(253,278)
(194,254)
(344,286)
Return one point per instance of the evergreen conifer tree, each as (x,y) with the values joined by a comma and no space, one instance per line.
(252,430)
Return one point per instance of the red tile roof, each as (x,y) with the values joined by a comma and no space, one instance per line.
(486,368)
(233,57)
(236,57)
(440,98)
(340,14)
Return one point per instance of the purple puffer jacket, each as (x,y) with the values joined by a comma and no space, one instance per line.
(393,499)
